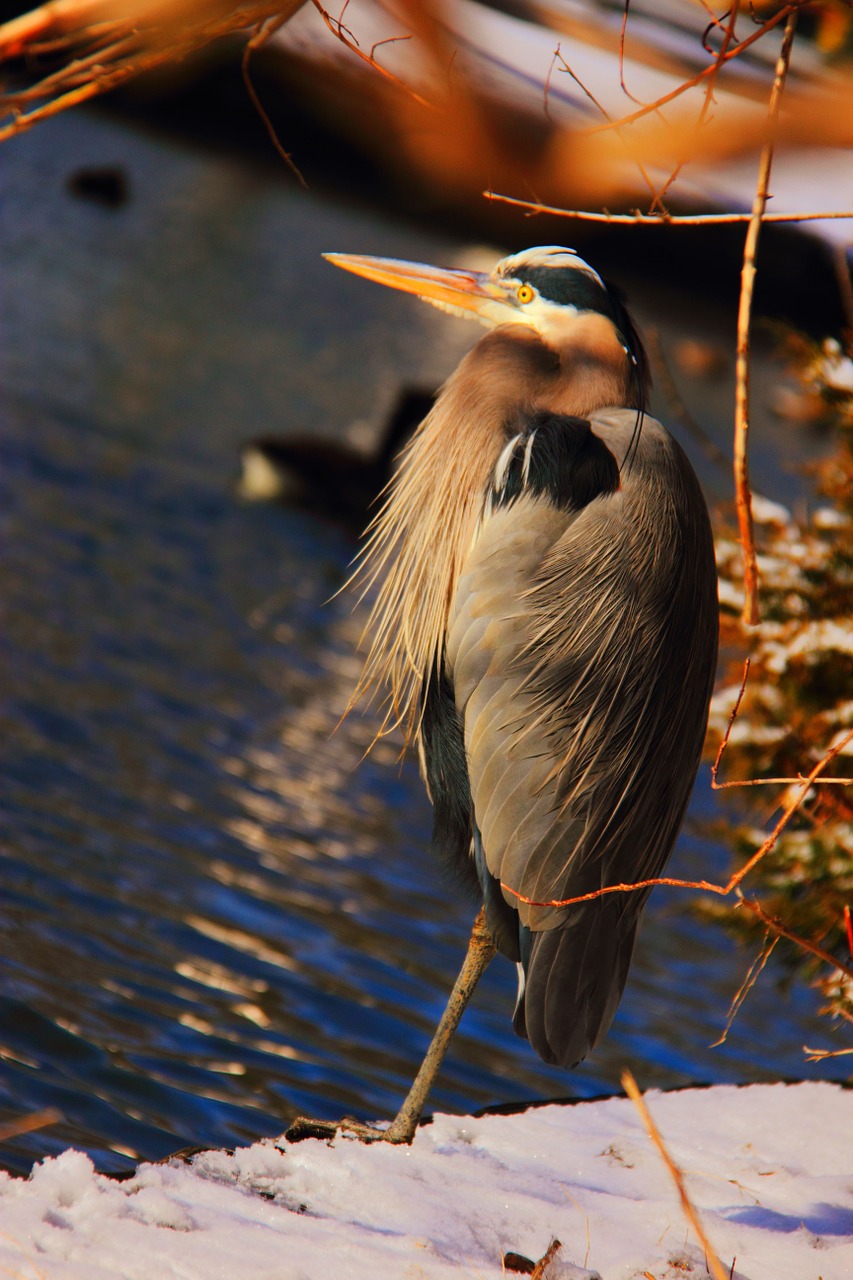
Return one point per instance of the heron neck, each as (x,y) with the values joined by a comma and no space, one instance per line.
(423,534)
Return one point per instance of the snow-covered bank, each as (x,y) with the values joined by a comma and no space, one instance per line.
(769,1167)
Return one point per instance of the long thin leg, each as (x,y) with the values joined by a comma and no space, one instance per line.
(481,949)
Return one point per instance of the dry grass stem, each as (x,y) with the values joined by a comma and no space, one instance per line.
(715,1267)
(547,1257)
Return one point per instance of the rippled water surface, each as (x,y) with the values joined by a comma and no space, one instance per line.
(215,912)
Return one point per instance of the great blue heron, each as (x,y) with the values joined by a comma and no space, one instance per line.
(546,623)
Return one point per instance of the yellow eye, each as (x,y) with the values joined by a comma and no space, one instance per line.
(526,293)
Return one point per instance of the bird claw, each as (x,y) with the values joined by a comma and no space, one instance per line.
(303,1127)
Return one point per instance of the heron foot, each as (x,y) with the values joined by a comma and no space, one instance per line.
(402,1129)
(303,1127)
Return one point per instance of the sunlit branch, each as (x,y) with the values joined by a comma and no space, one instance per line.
(818,1055)
(588,92)
(638,219)
(753,974)
(347,39)
(728,37)
(743,494)
(708,886)
(783,932)
(711,70)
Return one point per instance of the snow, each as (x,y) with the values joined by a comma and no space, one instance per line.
(769,1169)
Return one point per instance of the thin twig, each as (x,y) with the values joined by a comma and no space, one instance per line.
(546,88)
(776,925)
(711,70)
(629,1084)
(728,37)
(264,31)
(745,987)
(707,885)
(743,494)
(638,219)
(622,33)
(818,1055)
(388,40)
(715,767)
(84,93)
(112,66)
(644,173)
(348,40)
(80,71)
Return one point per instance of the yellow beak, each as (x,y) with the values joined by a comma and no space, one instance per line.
(472,291)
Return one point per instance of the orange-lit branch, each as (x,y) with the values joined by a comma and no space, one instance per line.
(708,886)
(743,493)
(711,71)
(347,39)
(638,219)
(778,928)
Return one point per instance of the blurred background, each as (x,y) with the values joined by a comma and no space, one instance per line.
(217,910)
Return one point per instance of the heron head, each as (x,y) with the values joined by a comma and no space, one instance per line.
(549,289)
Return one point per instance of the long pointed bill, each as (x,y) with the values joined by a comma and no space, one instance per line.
(460,291)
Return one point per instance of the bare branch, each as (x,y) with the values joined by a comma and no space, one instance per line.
(715,767)
(264,31)
(712,70)
(346,38)
(638,219)
(778,928)
(709,887)
(818,1055)
(728,37)
(656,199)
(743,494)
(746,986)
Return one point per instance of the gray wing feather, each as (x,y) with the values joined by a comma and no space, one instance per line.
(582,648)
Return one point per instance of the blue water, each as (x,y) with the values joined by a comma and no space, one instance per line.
(216,912)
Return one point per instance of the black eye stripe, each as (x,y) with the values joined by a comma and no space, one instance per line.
(568,286)
(573,287)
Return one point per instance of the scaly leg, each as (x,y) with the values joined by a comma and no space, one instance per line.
(481,949)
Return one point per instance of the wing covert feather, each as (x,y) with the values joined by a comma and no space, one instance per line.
(581,649)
